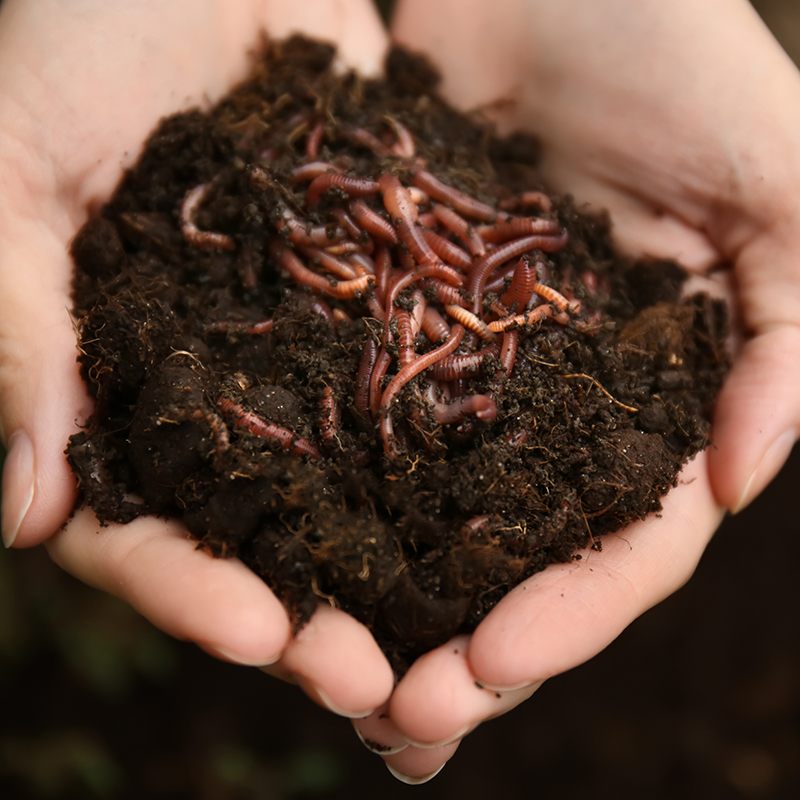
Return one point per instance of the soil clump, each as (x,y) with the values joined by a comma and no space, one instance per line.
(342,333)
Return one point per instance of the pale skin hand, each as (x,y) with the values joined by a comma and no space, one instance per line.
(683,119)
(69,68)
(81,85)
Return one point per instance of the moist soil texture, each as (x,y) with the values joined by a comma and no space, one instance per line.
(344,334)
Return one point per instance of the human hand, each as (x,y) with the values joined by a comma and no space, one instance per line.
(682,120)
(81,86)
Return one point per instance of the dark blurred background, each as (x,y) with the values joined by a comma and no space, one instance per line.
(700,698)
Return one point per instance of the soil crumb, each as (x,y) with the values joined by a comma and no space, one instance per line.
(345,334)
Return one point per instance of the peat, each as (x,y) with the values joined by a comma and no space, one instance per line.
(234,398)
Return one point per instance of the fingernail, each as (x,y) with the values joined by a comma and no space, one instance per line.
(444,742)
(772,460)
(331,706)
(413,781)
(18,485)
(378,748)
(239,660)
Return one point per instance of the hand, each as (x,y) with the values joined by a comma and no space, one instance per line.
(81,86)
(682,119)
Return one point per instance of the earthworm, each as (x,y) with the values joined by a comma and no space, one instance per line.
(459,227)
(482,406)
(408,373)
(365,366)
(459,365)
(329,417)
(349,184)
(449,252)
(505,252)
(251,423)
(521,320)
(206,240)
(372,222)
(517,226)
(460,201)
(469,320)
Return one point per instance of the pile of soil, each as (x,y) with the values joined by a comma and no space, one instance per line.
(342,333)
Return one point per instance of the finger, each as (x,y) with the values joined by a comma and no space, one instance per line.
(757,418)
(42,398)
(439,700)
(353,25)
(379,734)
(566,614)
(153,565)
(338,664)
(415,766)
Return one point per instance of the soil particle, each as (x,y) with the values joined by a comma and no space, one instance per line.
(248,357)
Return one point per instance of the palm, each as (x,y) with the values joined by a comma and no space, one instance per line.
(640,112)
(80,90)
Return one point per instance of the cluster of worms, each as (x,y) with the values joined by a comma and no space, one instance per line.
(450,281)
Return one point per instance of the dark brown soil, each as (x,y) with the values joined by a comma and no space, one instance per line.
(232,397)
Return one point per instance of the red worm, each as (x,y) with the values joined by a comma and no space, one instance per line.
(365,366)
(459,227)
(439,271)
(207,240)
(231,326)
(330,263)
(404,145)
(396,199)
(405,338)
(404,213)
(314,140)
(349,224)
(446,295)
(520,320)
(420,304)
(406,374)
(459,365)
(362,264)
(449,253)
(556,298)
(349,184)
(372,222)
(364,138)
(518,226)
(307,172)
(375,380)
(251,423)
(383,268)
(501,280)
(434,325)
(329,417)
(469,320)
(460,201)
(483,406)
(520,291)
(306,235)
(321,308)
(529,199)
(505,252)
(305,277)
(508,351)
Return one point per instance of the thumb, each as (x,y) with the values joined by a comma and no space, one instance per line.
(42,397)
(757,419)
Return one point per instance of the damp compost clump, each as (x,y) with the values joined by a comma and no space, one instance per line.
(344,333)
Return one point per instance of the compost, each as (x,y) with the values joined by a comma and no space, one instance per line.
(345,334)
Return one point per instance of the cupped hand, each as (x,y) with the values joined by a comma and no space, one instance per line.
(682,119)
(81,86)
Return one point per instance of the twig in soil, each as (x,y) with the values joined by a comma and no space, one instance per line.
(602,388)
